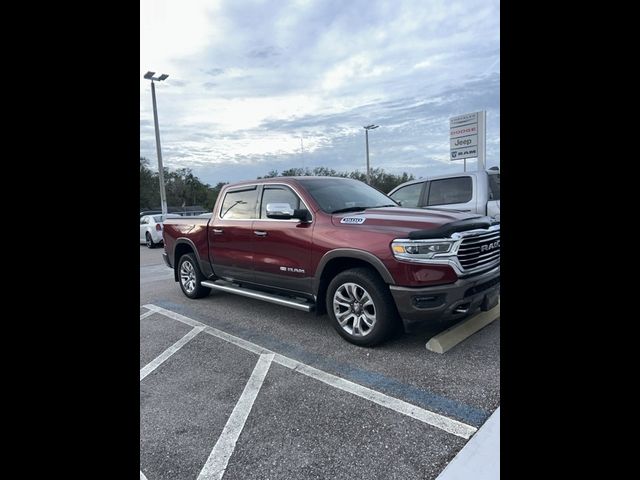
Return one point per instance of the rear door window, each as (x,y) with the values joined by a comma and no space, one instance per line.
(450,190)
(239,204)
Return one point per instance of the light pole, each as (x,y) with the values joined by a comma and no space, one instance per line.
(366,137)
(150,76)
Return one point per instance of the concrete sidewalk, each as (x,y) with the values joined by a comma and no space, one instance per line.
(480,457)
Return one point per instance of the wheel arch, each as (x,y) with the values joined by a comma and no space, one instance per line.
(182,247)
(339,260)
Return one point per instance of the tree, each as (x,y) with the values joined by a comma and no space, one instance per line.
(385,182)
(149,186)
(182,187)
(212,195)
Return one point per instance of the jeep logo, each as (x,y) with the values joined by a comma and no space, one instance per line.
(490,246)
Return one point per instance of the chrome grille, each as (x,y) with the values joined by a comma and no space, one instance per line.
(479,252)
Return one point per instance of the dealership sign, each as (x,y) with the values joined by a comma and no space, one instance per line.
(466,136)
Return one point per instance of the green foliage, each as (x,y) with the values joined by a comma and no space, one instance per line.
(184,188)
(383,181)
(181,186)
(149,186)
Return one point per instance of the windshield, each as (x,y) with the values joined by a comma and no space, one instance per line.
(494,186)
(336,195)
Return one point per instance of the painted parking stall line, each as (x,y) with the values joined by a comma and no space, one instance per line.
(147,314)
(447,424)
(160,359)
(142,476)
(218,460)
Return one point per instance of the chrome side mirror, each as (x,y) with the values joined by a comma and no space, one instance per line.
(281,211)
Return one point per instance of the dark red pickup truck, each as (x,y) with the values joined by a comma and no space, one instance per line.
(340,245)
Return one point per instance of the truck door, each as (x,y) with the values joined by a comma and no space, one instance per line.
(457,193)
(282,248)
(231,236)
(493,205)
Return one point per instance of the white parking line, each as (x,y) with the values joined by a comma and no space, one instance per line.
(434,419)
(147,314)
(155,363)
(142,477)
(218,460)
(447,424)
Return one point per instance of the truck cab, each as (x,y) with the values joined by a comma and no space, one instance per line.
(472,192)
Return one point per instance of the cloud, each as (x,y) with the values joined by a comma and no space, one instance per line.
(253,78)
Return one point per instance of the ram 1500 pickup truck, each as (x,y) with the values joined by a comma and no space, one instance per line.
(340,246)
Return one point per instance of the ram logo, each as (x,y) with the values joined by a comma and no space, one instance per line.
(490,246)
(291,270)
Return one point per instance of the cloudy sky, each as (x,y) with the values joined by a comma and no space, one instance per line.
(260,85)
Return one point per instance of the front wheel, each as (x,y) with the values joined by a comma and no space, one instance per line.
(361,307)
(189,276)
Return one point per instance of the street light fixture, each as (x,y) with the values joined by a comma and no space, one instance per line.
(150,76)
(366,136)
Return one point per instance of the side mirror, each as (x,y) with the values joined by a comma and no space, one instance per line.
(283,211)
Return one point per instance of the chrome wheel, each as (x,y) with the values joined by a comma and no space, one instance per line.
(187,276)
(149,241)
(354,309)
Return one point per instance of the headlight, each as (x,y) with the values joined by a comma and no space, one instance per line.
(420,249)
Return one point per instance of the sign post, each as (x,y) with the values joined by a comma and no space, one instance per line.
(482,139)
(467,138)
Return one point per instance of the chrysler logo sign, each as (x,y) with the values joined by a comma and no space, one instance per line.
(487,247)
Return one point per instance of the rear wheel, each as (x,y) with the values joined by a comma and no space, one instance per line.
(190,276)
(150,243)
(361,307)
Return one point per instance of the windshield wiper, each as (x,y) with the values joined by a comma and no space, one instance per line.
(359,209)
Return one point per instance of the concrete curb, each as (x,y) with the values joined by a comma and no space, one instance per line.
(452,336)
(479,459)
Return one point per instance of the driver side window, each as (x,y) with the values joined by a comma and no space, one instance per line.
(278,194)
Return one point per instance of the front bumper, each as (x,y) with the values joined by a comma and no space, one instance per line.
(420,306)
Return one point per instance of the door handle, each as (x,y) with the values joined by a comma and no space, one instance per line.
(260,233)
(217,230)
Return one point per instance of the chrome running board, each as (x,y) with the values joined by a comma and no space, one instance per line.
(298,304)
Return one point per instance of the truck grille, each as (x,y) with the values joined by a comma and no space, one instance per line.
(480,252)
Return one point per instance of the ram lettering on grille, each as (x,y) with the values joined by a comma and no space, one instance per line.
(480,252)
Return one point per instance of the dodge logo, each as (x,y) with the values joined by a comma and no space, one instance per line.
(490,246)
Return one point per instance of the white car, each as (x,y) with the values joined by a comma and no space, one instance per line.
(151,230)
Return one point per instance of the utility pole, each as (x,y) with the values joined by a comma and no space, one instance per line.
(163,196)
(366,137)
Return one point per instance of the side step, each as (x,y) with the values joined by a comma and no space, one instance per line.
(298,304)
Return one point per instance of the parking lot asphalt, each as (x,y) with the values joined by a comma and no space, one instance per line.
(297,426)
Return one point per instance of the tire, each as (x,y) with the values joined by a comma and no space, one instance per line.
(363,302)
(150,243)
(190,276)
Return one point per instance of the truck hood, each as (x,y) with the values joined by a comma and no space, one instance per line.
(398,220)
